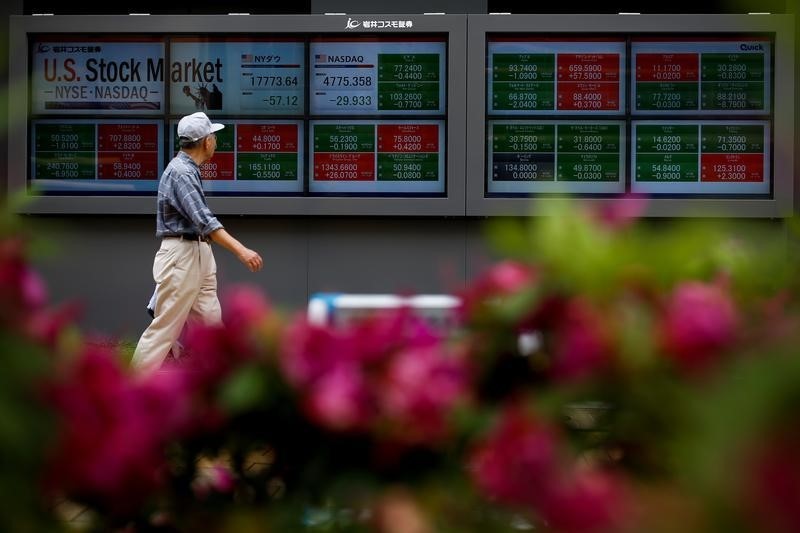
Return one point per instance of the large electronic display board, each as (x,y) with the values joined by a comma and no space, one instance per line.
(323,114)
(424,115)
(693,111)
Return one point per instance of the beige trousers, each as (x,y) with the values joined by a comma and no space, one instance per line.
(185,273)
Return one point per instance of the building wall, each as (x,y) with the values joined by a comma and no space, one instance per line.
(104,262)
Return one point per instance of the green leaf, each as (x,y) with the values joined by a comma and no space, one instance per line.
(244,390)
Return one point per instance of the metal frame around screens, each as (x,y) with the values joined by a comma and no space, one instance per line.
(454,26)
(781,202)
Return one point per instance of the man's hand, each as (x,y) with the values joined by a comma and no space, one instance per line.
(251,260)
(248,257)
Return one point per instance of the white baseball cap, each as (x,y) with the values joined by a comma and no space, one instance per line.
(196,126)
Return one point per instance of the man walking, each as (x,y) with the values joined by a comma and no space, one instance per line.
(184,268)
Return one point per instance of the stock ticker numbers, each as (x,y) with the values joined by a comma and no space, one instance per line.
(346,113)
(710,84)
(127,151)
(733,82)
(290,105)
(523,152)
(344,152)
(523,82)
(88,150)
(378,77)
(379,151)
(531,82)
(550,151)
(719,79)
(378,156)
(267,151)
(708,77)
(408,152)
(667,152)
(555,77)
(701,156)
(272,81)
(365,83)
(263,152)
(732,153)
(64,151)
(589,152)
(409,82)
(667,81)
(589,82)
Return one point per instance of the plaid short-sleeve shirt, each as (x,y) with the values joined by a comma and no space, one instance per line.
(181,204)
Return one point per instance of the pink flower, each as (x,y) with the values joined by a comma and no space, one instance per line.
(216,350)
(340,399)
(385,373)
(521,464)
(700,320)
(112,431)
(168,397)
(420,389)
(389,331)
(587,501)
(47,325)
(23,298)
(582,343)
(506,277)
(244,307)
(503,279)
(32,289)
(621,212)
(309,351)
(517,461)
(22,289)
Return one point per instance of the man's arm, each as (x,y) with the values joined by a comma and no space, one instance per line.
(249,257)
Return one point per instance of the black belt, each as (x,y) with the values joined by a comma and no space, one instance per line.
(188,237)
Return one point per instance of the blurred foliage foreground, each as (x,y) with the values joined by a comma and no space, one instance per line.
(610,374)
